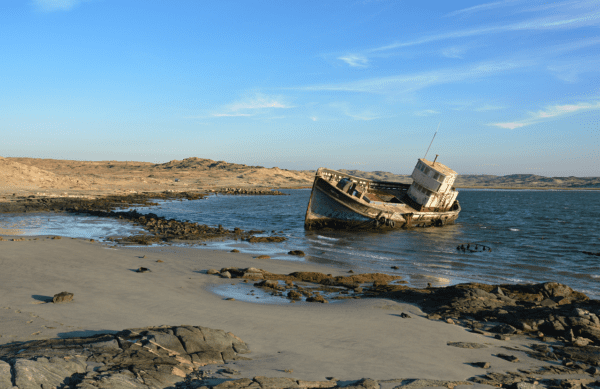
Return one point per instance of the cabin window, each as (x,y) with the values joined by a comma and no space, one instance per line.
(427,170)
(435,176)
(442,178)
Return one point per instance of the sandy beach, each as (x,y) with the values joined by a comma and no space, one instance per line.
(348,339)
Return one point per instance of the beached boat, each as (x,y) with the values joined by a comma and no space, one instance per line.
(342,201)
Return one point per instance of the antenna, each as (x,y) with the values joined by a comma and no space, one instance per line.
(438,127)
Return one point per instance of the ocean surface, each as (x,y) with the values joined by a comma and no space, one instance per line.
(534,236)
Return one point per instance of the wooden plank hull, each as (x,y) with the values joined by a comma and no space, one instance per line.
(330,207)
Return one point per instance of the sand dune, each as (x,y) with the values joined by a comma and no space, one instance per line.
(26,176)
(18,175)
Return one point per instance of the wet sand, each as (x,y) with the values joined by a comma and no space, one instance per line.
(350,339)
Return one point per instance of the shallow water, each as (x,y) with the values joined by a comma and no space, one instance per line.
(75,226)
(535,236)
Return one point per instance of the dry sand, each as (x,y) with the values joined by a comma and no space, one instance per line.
(50,177)
(351,339)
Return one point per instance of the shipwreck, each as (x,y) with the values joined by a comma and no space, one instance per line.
(342,201)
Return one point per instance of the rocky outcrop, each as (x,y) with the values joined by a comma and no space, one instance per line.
(107,203)
(62,297)
(251,192)
(547,309)
(340,287)
(159,229)
(151,357)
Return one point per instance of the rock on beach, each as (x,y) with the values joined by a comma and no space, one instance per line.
(150,357)
(62,297)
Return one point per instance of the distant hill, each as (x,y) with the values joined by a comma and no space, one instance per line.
(202,164)
(491,181)
(94,177)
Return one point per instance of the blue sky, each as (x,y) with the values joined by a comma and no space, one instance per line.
(513,85)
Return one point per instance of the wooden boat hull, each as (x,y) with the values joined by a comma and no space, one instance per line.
(329,207)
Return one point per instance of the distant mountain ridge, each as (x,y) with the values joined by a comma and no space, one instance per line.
(201,164)
(491,181)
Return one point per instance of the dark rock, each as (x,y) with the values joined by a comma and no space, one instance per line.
(271,284)
(299,253)
(424,383)
(316,299)
(483,365)
(405,315)
(156,357)
(466,345)
(594,371)
(294,295)
(62,297)
(235,251)
(265,239)
(505,329)
(591,333)
(276,383)
(142,270)
(548,303)
(365,383)
(525,385)
(510,358)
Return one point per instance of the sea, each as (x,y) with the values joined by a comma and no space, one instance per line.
(513,236)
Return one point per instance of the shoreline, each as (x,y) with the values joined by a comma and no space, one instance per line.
(155,229)
(365,338)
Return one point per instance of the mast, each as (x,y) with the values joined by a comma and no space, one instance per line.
(436,131)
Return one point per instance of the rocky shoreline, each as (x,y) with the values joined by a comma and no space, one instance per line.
(564,323)
(183,357)
(567,320)
(549,311)
(159,229)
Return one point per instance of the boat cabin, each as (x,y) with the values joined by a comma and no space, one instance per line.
(432,186)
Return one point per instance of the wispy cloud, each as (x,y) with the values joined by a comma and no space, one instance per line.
(488,107)
(454,52)
(364,115)
(547,23)
(550,112)
(412,82)
(257,103)
(231,114)
(481,7)
(426,112)
(56,5)
(354,60)
(572,17)
(510,125)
